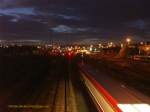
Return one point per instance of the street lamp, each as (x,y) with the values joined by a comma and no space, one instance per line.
(128,40)
(148,50)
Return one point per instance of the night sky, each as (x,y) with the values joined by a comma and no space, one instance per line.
(74,20)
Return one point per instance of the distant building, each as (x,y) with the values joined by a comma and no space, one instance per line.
(144,49)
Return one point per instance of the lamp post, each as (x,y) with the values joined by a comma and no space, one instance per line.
(148,50)
(128,40)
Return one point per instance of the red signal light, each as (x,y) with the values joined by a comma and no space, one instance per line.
(70,55)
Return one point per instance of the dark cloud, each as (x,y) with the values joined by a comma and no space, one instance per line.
(75,19)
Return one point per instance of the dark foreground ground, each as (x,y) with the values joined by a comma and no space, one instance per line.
(36,83)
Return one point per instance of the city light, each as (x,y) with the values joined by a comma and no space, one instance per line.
(141,43)
(122,45)
(147,48)
(110,44)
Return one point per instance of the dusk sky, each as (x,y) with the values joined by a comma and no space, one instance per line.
(74,20)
